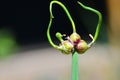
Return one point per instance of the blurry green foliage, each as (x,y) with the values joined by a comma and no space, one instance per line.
(7,42)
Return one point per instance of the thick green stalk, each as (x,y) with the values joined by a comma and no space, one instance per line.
(75,66)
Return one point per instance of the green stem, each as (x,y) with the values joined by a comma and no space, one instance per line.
(59,36)
(48,34)
(66,11)
(50,22)
(99,20)
(75,66)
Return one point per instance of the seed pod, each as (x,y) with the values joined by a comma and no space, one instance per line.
(81,47)
(66,47)
(75,38)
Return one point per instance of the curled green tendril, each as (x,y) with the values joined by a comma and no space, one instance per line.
(58,35)
(67,46)
(66,11)
(99,20)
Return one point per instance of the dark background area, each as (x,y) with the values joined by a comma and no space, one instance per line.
(29,25)
(25,53)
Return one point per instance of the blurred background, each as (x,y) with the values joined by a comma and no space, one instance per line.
(25,53)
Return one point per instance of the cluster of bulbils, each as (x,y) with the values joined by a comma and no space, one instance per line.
(74,43)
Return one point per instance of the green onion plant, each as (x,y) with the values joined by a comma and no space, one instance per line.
(73,44)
